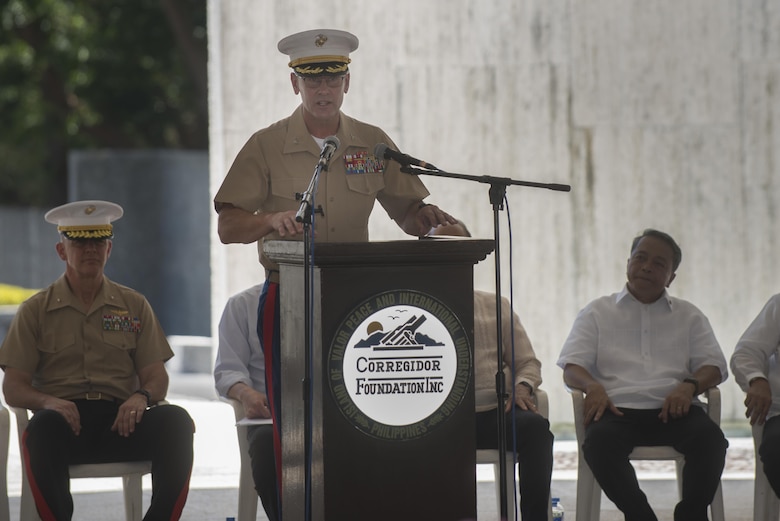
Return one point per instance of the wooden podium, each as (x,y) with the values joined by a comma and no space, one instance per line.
(392,378)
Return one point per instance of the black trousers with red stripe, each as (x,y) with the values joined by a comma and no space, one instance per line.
(164,437)
(261,452)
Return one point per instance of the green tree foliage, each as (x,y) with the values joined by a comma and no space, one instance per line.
(78,74)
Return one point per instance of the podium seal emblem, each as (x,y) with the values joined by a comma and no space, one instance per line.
(399,365)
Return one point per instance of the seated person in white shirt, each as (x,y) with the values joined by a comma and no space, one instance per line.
(755,367)
(239,373)
(642,357)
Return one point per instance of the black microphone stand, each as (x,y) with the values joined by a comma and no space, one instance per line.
(305,215)
(496,194)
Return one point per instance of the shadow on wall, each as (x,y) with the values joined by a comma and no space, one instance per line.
(161,244)
(6,315)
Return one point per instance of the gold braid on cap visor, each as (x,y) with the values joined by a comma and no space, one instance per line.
(321,65)
(87,232)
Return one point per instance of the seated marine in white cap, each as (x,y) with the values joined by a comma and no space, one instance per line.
(87,356)
(257,202)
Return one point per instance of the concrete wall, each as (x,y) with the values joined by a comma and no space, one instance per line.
(162,245)
(659,114)
(27,254)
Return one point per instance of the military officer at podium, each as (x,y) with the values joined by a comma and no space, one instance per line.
(257,199)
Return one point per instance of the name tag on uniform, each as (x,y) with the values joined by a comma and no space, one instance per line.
(363,162)
(124,323)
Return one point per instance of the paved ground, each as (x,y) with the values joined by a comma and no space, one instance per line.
(213,494)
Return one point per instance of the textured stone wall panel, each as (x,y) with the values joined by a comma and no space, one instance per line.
(658,114)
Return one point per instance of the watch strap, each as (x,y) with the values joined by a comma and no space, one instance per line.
(529,386)
(695,384)
(146,394)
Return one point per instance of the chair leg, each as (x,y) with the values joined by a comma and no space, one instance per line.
(679,463)
(5,429)
(595,498)
(510,487)
(247,495)
(133,493)
(716,508)
(766,506)
(588,493)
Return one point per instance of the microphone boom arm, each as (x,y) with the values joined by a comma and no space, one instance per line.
(487,179)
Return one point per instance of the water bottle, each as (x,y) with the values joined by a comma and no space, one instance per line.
(557,509)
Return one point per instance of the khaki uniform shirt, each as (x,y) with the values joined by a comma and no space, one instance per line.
(528,368)
(279,161)
(70,352)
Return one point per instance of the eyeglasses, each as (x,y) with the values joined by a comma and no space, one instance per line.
(84,243)
(316,81)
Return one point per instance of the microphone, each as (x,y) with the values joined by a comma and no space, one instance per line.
(328,148)
(382,151)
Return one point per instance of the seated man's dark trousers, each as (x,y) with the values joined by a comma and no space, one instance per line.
(609,441)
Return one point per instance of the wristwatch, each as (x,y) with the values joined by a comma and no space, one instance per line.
(695,383)
(146,394)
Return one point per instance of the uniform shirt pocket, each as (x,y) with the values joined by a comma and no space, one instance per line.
(366,184)
(121,340)
(286,188)
(57,342)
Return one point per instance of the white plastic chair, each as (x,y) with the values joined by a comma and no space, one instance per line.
(247,495)
(131,473)
(491,457)
(766,506)
(588,489)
